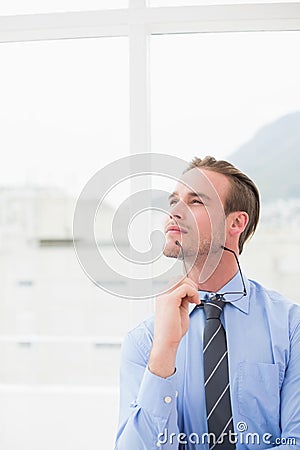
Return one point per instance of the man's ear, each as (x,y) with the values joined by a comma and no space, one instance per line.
(237,222)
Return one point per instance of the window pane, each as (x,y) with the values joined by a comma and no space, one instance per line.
(64,115)
(236,96)
(61,104)
(10,7)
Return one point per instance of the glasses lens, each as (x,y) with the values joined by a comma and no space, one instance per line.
(227,296)
(233,296)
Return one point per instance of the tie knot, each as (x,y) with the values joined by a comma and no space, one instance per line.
(213,306)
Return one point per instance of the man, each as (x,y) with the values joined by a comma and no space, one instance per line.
(219,365)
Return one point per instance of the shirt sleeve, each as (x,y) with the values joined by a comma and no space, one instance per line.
(148,412)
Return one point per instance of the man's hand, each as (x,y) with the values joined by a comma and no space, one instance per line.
(170,325)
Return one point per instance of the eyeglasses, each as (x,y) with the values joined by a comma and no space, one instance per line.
(230,296)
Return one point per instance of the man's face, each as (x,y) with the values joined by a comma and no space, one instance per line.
(197,218)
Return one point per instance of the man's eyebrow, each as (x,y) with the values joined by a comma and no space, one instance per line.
(200,195)
(191,194)
(174,194)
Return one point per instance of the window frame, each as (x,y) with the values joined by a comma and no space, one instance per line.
(138,23)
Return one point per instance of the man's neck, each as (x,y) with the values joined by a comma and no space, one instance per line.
(214,277)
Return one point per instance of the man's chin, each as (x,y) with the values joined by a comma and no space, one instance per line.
(171,252)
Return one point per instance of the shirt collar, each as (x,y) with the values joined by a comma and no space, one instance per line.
(234,285)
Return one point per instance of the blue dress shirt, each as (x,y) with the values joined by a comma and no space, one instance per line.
(263,339)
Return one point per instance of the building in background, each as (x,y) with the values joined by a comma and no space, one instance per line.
(59,332)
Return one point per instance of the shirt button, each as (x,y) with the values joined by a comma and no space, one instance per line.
(167,399)
(133,404)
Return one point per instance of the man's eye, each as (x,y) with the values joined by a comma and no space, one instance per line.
(200,202)
(172,203)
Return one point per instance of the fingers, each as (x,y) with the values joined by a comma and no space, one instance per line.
(187,291)
(183,289)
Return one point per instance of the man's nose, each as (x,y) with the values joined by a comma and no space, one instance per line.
(174,216)
(177,211)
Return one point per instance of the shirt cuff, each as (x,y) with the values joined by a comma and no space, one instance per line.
(158,395)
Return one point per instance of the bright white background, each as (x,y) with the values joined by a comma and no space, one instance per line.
(65,113)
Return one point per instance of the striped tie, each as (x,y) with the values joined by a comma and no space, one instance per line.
(217,389)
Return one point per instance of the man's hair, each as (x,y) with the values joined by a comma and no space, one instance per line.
(243,195)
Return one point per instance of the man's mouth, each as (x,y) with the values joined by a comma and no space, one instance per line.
(174,229)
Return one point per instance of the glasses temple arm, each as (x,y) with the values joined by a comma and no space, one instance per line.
(238,263)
